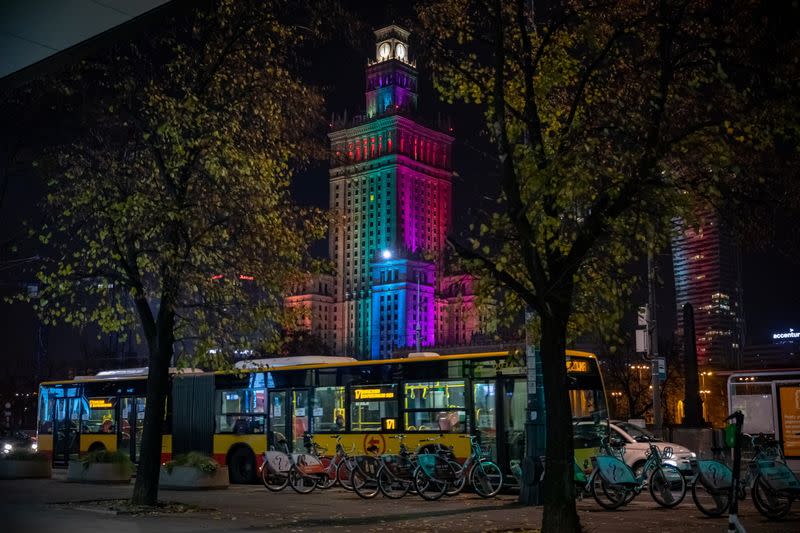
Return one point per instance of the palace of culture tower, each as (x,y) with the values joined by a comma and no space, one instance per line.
(391,194)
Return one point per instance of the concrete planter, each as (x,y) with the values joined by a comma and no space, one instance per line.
(17,469)
(191,478)
(77,472)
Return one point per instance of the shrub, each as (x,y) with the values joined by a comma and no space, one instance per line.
(194,459)
(105,456)
(25,455)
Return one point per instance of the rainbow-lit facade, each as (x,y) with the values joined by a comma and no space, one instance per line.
(391,192)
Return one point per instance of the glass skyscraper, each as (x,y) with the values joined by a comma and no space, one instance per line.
(707,270)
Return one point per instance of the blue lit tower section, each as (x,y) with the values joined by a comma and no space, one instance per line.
(403,304)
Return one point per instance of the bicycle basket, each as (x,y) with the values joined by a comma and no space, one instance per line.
(436,467)
(485,452)
(309,465)
(277,462)
(613,471)
(713,474)
(778,476)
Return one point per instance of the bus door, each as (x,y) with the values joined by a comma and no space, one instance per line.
(485,413)
(300,418)
(514,401)
(278,428)
(288,418)
(66,423)
(131,425)
(500,417)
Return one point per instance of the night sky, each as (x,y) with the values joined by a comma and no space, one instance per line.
(771,289)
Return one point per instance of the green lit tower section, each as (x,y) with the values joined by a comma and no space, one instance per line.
(390,189)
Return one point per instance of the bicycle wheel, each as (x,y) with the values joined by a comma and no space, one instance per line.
(486,478)
(390,486)
(430,489)
(667,486)
(343,472)
(454,487)
(772,504)
(363,485)
(710,502)
(273,481)
(609,497)
(327,480)
(301,484)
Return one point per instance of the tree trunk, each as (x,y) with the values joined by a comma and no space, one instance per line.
(560,515)
(145,491)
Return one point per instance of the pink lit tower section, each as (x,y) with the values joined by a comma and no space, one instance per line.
(391,189)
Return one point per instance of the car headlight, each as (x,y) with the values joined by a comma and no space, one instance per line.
(671,462)
(693,455)
(34,446)
(7,447)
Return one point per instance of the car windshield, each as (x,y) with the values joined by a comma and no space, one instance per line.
(638,434)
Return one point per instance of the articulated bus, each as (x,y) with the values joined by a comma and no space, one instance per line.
(235,416)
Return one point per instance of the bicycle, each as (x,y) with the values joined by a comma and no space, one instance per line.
(435,473)
(396,473)
(301,471)
(364,476)
(773,486)
(365,479)
(337,468)
(620,485)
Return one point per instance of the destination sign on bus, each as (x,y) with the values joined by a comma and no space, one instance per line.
(574,365)
(100,403)
(373,394)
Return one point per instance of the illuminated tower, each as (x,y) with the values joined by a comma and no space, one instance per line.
(707,275)
(391,188)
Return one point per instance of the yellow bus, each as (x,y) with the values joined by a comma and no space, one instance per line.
(234,416)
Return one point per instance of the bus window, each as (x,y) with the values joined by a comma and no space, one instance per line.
(371,403)
(100,418)
(328,410)
(435,406)
(240,411)
(588,403)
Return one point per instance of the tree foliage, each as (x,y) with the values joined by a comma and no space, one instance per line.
(171,207)
(609,119)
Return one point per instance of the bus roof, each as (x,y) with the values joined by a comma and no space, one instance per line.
(305,363)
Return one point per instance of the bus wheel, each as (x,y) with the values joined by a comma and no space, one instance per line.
(242,465)
(96,447)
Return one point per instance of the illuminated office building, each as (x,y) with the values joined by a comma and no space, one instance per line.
(707,272)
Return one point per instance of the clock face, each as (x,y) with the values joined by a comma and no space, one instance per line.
(400,51)
(384,50)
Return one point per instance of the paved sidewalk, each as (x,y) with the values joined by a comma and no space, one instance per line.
(39,505)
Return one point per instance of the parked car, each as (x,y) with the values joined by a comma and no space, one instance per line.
(11,440)
(637,444)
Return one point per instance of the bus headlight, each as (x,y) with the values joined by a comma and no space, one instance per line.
(7,447)
(34,446)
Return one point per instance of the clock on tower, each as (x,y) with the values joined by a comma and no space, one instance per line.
(392,77)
